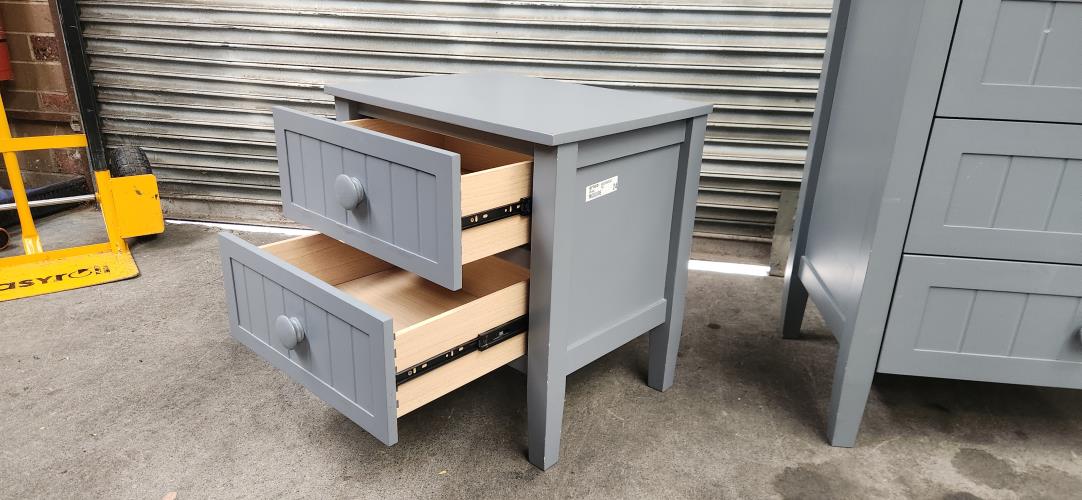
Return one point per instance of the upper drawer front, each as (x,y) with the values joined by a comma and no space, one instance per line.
(346,356)
(999,321)
(1000,190)
(1016,60)
(407,211)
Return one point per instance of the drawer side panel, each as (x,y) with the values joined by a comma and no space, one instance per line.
(986,320)
(346,357)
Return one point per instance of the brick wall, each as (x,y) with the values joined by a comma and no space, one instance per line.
(39,100)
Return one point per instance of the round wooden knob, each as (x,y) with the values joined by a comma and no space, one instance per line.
(289,331)
(348,191)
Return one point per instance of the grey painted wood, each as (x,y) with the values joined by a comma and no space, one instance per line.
(411,212)
(604,270)
(971,319)
(551,253)
(854,370)
(345,110)
(621,245)
(544,112)
(1016,60)
(794,297)
(853,218)
(665,339)
(637,141)
(347,355)
(1001,190)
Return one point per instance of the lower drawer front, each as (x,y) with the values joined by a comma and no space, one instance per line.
(988,320)
(344,324)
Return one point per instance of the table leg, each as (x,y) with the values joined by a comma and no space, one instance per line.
(551,248)
(665,338)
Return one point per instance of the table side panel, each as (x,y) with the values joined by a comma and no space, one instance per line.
(621,245)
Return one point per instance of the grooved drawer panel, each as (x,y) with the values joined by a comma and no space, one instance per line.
(347,354)
(401,209)
(330,350)
(410,211)
(1000,190)
(986,320)
(362,321)
(1016,59)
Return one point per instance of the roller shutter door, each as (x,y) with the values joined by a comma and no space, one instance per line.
(193,82)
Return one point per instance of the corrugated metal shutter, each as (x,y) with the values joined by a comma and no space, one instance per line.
(193,81)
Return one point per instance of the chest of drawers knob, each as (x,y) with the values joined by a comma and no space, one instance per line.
(348,191)
(288,331)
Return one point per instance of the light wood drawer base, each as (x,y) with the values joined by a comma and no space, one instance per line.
(364,321)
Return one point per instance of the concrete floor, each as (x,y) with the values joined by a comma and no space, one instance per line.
(135,389)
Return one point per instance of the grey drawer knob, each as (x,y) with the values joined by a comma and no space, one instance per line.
(289,331)
(348,191)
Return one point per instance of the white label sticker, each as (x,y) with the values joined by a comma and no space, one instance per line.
(602,188)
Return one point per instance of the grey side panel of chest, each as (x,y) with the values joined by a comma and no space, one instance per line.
(410,215)
(621,240)
(1016,60)
(874,104)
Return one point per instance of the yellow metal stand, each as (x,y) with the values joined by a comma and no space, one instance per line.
(129,205)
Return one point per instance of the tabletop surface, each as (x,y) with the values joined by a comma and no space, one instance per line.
(536,110)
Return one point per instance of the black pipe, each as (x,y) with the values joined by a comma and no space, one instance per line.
(86,98)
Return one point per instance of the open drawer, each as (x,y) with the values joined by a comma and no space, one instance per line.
(423,201)
(370,339)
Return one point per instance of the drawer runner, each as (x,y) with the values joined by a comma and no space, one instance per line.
(482,342)
(520,207)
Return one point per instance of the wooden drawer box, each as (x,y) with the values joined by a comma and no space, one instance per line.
(372,340)
(1016,60)
(425,202)
(997,321)
(1000,190)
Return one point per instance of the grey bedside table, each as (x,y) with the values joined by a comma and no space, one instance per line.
(601,185)
(940,227)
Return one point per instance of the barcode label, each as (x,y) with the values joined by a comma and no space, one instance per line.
(602,188)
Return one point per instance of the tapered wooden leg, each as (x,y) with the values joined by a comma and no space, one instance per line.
(794,300)
(550,283)
(665,338)
(849,396)
(854,370)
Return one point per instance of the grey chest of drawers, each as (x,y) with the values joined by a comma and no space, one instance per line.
(940,228)
(416,187)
